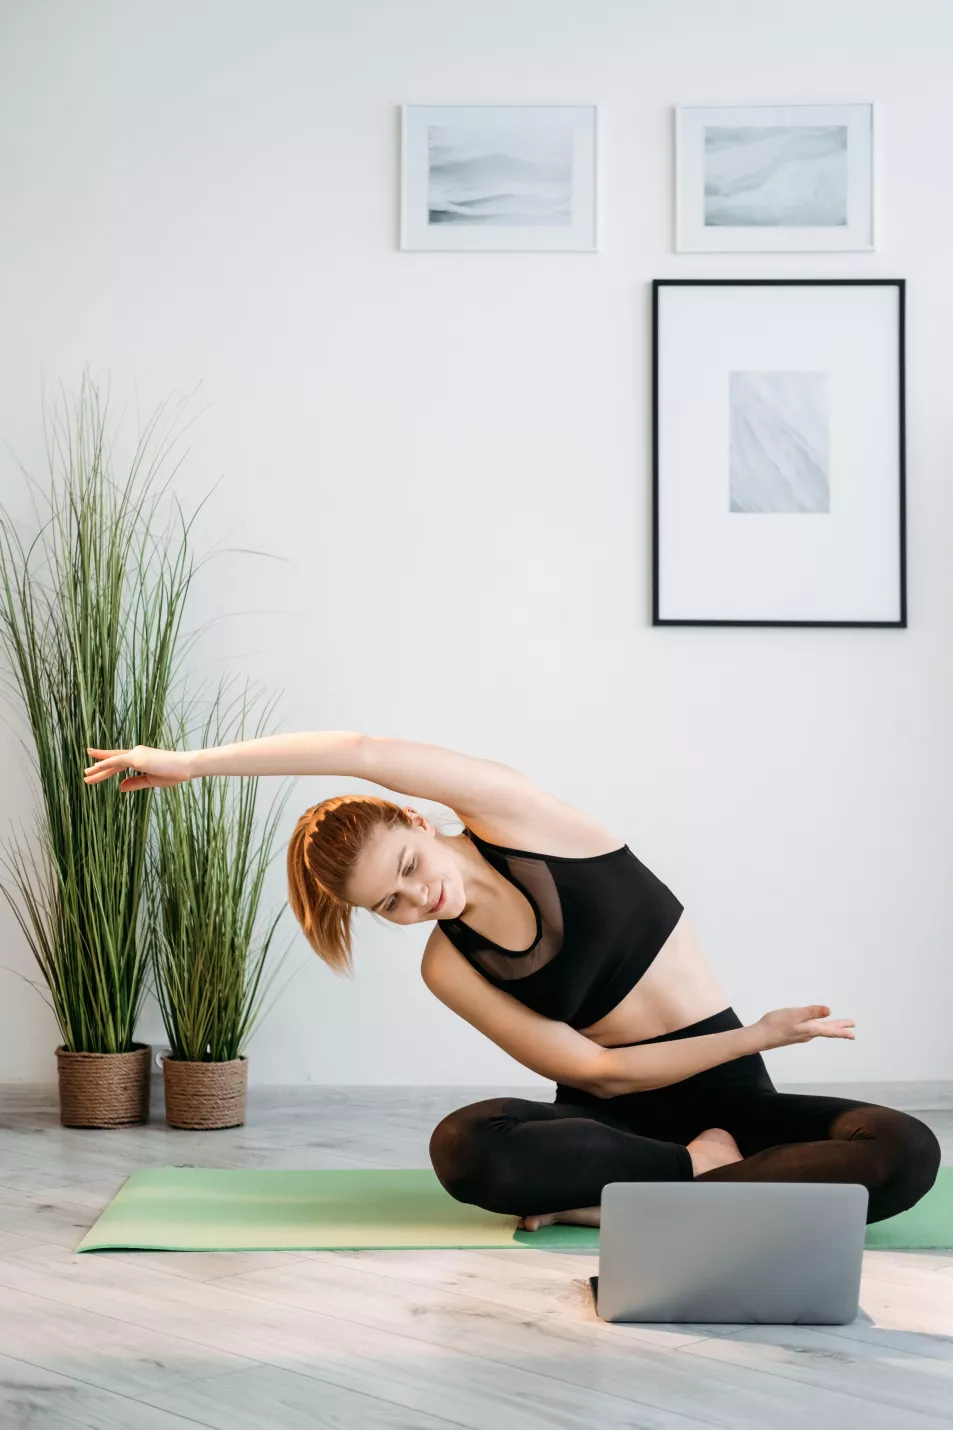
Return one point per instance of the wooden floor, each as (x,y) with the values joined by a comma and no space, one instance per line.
(496,1340)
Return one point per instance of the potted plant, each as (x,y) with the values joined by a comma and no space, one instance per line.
(89,620)
(204,889)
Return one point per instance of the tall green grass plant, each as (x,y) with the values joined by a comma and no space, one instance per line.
(206,871)
(90,617)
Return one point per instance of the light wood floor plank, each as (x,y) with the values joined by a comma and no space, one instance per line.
(268,1396)
(32,1397)
(289,1326)
(569,1344)
(271,1395)
(445,1380)
(910,1387)
(99,1348)
(521,1286)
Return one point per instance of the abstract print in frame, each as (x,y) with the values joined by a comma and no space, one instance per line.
(774,178)
(484,177)
(778,478)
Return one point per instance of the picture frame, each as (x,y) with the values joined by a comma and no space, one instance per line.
(775,178)
(778,452)
(493,177)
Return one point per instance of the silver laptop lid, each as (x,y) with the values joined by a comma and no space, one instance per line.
(741,1252)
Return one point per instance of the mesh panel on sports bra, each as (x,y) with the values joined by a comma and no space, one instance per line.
(541,886)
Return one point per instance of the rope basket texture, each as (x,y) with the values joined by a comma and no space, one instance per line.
(204,1095)
(104,1089)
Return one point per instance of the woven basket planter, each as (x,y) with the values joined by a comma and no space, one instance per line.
(104,1089)
(204,1095)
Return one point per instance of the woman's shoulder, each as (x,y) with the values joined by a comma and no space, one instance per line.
(544,825)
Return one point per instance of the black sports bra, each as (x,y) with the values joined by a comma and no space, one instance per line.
(600,921)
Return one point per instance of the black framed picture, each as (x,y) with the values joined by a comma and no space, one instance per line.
(778,473)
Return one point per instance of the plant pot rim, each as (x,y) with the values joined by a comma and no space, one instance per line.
(203,1062)
(63,1052)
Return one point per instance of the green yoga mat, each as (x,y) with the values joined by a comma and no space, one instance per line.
(226,1209)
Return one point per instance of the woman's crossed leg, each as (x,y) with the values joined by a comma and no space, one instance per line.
(533,1159)
(806,1137)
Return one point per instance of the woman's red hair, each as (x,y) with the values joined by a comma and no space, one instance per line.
(326,844)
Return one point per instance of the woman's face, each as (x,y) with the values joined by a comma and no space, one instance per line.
(403,872)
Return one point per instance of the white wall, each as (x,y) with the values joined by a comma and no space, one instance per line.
(449,453)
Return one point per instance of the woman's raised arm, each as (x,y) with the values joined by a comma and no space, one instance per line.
(306,752)
(465,783)
(310,752)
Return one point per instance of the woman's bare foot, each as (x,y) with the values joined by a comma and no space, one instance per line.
(580,1216)
(713,1148)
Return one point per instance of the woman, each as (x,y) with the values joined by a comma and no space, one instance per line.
(553,939)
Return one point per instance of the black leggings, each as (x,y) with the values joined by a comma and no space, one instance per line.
(513,1155)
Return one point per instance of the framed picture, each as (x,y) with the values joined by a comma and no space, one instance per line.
(771,178)
(778,452)
(491,176)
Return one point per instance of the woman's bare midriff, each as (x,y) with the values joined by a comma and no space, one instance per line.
(678,988)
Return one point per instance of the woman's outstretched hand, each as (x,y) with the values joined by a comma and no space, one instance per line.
(151,769)
(799,1025)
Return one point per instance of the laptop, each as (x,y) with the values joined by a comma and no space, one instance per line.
(788,1253)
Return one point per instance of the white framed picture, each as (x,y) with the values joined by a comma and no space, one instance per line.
(774,178)
(779,494)
(492,176)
